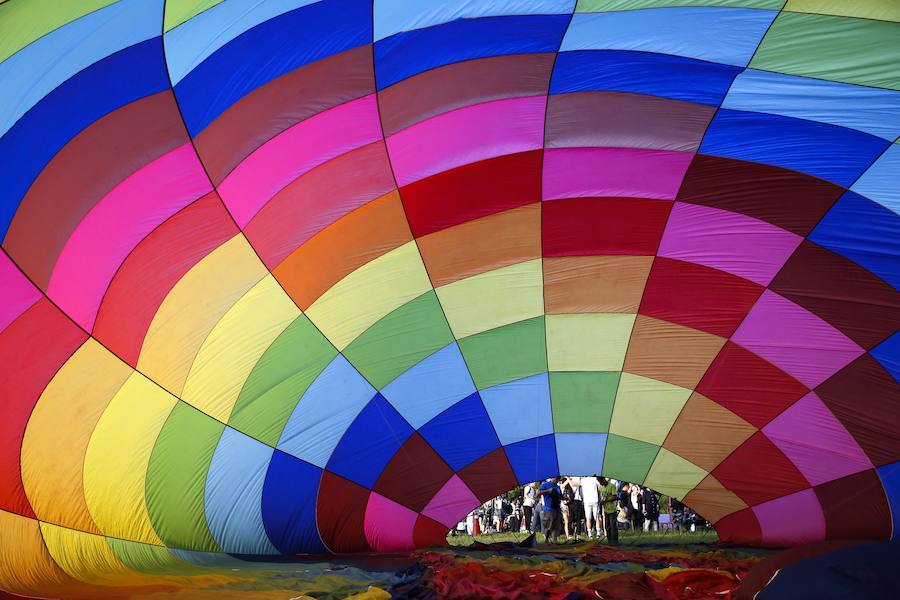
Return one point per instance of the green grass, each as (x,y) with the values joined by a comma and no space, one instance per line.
(626,538)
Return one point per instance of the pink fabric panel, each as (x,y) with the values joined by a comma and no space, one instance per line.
(117,224)
(467,135)
(790,520)
(795,340)
(814,440)
(388,526)
(629,172)
(451,503)
(18,293)
(727,241)
(297,150)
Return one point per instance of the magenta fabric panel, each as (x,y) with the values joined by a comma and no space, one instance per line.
(793,519)
(388,525)
(18,293)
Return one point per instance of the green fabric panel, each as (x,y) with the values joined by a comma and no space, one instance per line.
(176,478)
(147,558)
(22,22)
(626,459)
(615,5)
(583,401)
(399,340)
(179,11)
(275,385)
(510,352)
(837,48)
(884,10)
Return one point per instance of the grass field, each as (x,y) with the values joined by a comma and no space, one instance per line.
(626,538)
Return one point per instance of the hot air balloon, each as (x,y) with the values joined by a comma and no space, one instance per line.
(302,276)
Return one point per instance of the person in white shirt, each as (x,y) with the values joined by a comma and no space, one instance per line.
(590,491)
(528,498)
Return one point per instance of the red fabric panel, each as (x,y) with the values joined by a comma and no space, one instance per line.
(152,270)
(317,199)
(588,226)
(428,532)
(341,513)
(863,306)
(855,507)
(697,296)
(32,349)
(87,168)
(866,400)
(741,527)
(791,200)
(490,475)
(749,386)
(758,471)
(472,191)
(414,475)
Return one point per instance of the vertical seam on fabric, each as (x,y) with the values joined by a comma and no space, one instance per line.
(562,38)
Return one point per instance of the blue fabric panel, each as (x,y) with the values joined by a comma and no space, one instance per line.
(325,411)
(872,110)
(394,16)
(642,73)
(865,232)
(890,479)
(715,34)
(406,54)
(533,459)
(520,409)
(233,497)
(37,69)
(580,454)
(888,354)
(881,182)
(124,77)
(833,153)
(462,434)
(369,443)
(431,386)
(268,51)
(289,504)
(193,41)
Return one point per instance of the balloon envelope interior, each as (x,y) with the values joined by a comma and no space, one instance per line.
(305,277)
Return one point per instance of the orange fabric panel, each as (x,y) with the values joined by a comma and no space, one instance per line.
(712,500)
(669,352)
(488,243)
(706,432)
(586,284)
(360,237)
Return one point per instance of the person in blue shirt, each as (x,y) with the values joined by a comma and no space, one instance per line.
(550,513)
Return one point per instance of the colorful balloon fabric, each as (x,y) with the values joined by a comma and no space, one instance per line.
(303,277)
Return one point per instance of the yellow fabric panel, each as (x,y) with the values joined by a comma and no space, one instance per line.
(85,556)
(672,475)
(493,299)
(588,341)
(235,345)
(370,292)
(179,11)
(646,408)
(193,307)
(21,23)
(117,458)
(56,439)
(26,567)
(883,10)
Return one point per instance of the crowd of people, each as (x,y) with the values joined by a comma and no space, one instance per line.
(594,507)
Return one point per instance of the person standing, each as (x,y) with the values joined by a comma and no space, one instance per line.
(637,507)
(651,510)
(609,499)
(550,513)
(590,493)
(529,495)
